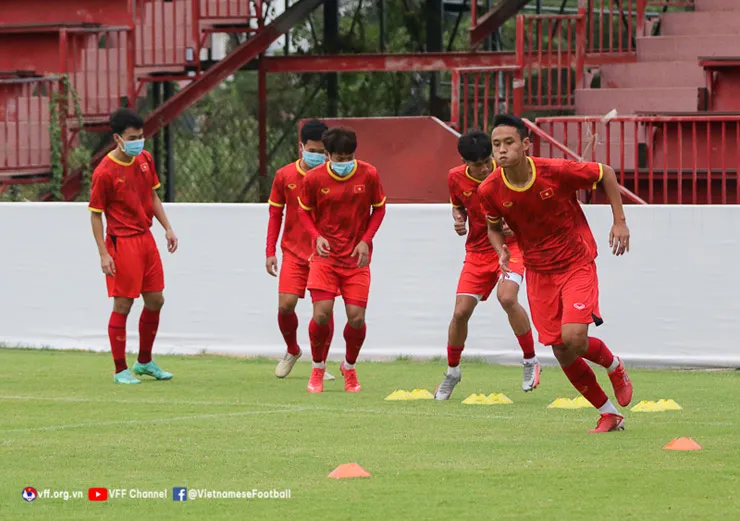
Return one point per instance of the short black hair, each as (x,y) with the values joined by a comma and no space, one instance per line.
(340,140)
(124,118)
(475,145)
(313,130)
(509,120)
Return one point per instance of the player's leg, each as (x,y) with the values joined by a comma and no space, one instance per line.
(323,283)
(355,289)
(580,295)
(457,334)
(152,294)
(124,287)
(508,297)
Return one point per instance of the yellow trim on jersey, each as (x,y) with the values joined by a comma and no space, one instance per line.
(298,167)
(307,208)
(273,203)
(119,162)
(157,186)
(601,175)
(381,203)
(340,178)
(494,221)
(96,210)
(479,181)
(454,205)
(521,188)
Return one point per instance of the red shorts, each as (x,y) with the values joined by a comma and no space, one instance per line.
(570,297)
(138,266)
(353,284)
(293,276)
(481,271)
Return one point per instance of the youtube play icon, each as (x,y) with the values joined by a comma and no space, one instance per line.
(97,494)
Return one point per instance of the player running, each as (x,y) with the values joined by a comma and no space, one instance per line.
(297,246)
(123,188)
(337,199)
(481,271)
(537,199)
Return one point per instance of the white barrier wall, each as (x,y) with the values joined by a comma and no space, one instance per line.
(671,301)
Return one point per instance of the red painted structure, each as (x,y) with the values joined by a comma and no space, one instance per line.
(111,49)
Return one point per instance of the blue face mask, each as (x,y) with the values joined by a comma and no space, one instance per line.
(313,159)
(343,168)
(133,148)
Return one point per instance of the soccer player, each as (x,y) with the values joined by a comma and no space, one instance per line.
(481,272)
(344,205)
(123,188)
(537,199)
(296,245)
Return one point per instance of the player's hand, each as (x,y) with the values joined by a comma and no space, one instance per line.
(107,265)
(459,222)
(504,256)
(322,247)
(271,266)
(171,241)
(362,252)
(619,238)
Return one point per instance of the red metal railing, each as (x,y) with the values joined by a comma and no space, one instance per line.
(220,9)
(100,66)
(663,159)
(25,118)
(479,94)
(167,33)
(553,59)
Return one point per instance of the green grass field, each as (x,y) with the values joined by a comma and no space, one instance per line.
(229,424)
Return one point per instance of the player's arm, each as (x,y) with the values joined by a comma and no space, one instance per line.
(307,202)
(362,250)
(98,203)
(619,236)
(459,215)
(495,227)
(276,203)
(161,216)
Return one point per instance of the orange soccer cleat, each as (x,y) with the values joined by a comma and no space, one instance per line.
(316,382)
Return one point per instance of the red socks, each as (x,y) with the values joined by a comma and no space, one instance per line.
(583,378)
(453,355)
(598,353)
(329,338)
(117,336)
(319,335)
(354,338)
(527,344)
(148,325)
(288,324)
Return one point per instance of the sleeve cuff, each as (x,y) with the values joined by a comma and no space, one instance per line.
(273,203)
(307,208)
(156,187)
(381,203)
(454,205)
(96,210)
(601,175)
(493,220)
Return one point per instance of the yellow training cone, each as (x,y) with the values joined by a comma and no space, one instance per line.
(477,399)
(399,395)
(561,403)
(669,405)
(422,394)
(580,403)
(499,399)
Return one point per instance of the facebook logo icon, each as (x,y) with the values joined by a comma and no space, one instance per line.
(179,494)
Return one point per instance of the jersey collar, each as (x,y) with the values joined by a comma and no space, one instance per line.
(119,162)
(521,188)
(479,181)
(298,167)
(340,178)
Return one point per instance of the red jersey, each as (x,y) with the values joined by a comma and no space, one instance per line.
(464,194)
(341,207)
(545,215)
(123,192)
(286,187)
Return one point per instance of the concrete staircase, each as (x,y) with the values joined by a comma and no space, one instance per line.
(667,76)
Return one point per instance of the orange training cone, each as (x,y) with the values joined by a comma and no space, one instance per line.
(683,444)
(349,470)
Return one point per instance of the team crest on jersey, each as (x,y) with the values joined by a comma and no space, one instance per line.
(468,194)
(121,180)
(359,189)
(508,204)
(546,194)
(143,167)
(291,186)
(324,190)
